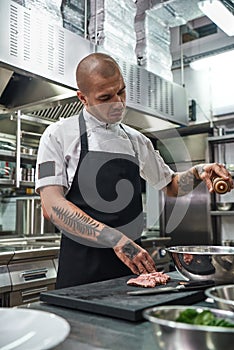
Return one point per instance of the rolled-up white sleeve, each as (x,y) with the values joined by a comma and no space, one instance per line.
(152,166)
(51,164)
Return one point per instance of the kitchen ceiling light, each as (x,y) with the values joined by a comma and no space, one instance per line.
(219,14)
(220,62)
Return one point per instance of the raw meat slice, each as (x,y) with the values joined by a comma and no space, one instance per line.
(149,280)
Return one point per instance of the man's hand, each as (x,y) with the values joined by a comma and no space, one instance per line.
(206,172)
(136,258)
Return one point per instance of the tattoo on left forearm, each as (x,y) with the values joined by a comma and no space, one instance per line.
(199,169)
(130,250)
(186,182)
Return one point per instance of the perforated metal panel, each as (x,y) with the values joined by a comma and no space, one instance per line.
(62,111)
(153,95)
(34,41)
(31,42)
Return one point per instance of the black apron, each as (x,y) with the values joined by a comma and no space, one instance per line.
(80,262)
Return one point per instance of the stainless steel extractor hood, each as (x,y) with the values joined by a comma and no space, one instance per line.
(33,57)
(19,89)
(37,73)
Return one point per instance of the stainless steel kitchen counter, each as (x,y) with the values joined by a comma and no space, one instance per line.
(95,332)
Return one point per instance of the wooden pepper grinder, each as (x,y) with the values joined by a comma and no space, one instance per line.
(220,185)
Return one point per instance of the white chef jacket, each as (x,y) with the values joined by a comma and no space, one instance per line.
(60,145)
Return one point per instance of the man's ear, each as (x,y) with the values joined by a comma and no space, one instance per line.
(82,97)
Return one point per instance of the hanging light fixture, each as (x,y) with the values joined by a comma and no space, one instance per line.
(220,12)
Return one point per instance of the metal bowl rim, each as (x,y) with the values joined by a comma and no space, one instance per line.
(208,293)
(186,326)
(207,250)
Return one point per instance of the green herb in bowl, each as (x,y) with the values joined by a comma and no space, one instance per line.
(204,318)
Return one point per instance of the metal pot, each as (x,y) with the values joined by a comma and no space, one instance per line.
(29,217)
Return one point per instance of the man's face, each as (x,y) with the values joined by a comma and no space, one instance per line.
(106,98)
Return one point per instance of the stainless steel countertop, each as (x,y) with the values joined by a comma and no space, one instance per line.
(28,249)
(95,332)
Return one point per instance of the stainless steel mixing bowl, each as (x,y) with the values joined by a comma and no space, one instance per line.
(204,262)
(223,296)
(172,335)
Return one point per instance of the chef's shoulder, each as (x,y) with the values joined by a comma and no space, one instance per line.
(137,136)
(63,128)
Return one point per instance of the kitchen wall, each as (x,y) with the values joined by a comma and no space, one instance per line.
(211,90)
(211,86)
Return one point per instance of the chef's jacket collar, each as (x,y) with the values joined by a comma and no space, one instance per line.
(94,123)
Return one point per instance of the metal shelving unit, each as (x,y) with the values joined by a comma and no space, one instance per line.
(18,156)
(222,213)
(217,152)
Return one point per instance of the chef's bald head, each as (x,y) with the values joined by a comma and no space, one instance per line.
(95,63)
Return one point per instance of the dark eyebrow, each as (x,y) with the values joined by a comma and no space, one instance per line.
(121,90)
(106,96)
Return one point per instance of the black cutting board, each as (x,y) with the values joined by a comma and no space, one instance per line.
(110,298)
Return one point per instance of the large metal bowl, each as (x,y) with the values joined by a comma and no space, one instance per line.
(202,263)
(172,335)
(223,296)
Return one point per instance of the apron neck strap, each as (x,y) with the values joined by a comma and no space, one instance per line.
(83,133)
(131,140)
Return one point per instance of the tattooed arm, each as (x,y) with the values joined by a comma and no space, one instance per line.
(78,225)
(184,182)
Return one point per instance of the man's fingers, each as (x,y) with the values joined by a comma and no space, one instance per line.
(141,268)
(134,269)
(145,263)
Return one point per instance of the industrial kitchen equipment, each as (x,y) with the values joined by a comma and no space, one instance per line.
(26,270)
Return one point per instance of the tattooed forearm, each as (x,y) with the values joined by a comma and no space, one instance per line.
(199,169)
(77,223)
(187,181)
(84,226)
(113,236)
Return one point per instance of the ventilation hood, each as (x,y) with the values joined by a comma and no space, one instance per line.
(33,78)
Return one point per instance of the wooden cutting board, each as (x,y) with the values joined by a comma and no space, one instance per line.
(110,298)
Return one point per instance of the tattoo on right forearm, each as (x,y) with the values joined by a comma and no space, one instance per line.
(77,223)
(130,250)
(85,227)
(113,236)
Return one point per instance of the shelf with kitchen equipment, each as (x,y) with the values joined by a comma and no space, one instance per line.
(18,152)
(29,247)
(222,213)
(222,205)
(20,207)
